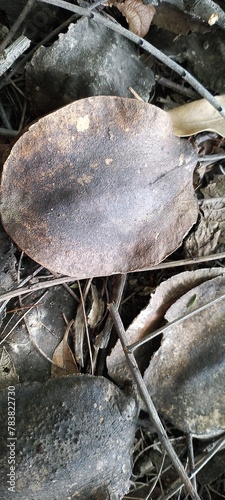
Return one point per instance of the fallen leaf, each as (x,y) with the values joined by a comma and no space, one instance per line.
(97,308)
(197,116)
(151,318)
(63,358)
(185,376)
(138,15)
(8,374)
(136,207)
(208,235)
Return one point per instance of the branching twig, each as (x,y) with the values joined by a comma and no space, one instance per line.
(142,389)
(145,45)
(181,319)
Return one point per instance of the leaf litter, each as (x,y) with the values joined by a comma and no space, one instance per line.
(191,288)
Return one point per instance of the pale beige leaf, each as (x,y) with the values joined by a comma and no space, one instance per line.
(97,308)
(63,359)
(197,116)
(138,15)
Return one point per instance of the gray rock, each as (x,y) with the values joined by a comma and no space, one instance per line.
(88,60)
(74,440)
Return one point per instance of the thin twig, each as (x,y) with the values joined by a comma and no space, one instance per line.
(142,389)
(165,82)
(22,317)
(16,25)
(144,45)
(181,319)
(28,278)
(37,286)
(13,52)
(182,262)
(199,465)
(85,320)
(191,458)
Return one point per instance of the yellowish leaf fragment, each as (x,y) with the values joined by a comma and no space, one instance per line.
(198,116)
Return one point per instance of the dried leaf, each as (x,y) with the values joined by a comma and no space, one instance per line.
(208,235)
(138,15)
(151,318)
(8,375)
(97,308)
(99,187)
(185,377)
(63,357)
(197,116)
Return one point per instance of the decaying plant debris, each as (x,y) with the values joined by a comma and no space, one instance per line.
(96,189)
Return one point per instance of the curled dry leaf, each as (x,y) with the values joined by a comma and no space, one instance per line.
(151,318)
(138,15)
(63,358)
(197,116)
(99,187)
(185,377)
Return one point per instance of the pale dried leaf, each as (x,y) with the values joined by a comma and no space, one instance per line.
(63,358)
(197,116)
(153,317)
(186,375)
(97,308)
(8,375)
(138,15)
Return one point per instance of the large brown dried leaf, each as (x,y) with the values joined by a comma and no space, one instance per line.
(138,15)
(99,187)
(186,375)
(197,116)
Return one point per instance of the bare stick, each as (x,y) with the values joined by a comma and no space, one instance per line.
(142,389)
(219,444)
(145,45)
(13,52)
(38,286)
(16,25)
(177,321)
(184,262)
